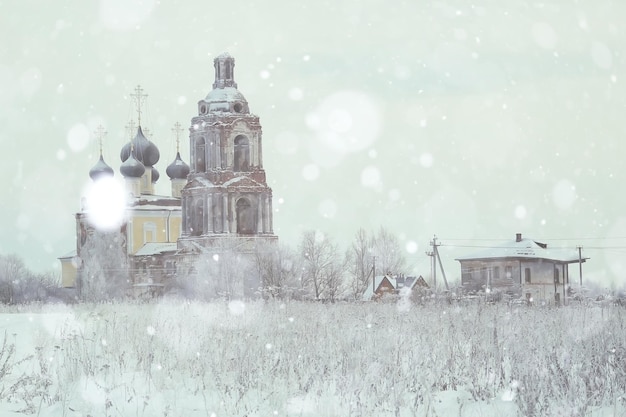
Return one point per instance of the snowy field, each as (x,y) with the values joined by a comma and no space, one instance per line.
(180,358)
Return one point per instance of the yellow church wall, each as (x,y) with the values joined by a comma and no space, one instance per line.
(176,226)
(152,226)
(68,273)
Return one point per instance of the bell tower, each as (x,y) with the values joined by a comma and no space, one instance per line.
(226,197)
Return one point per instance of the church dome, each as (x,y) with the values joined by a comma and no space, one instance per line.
(144,150)
(100,170)
(178,169)
(155,175)
(132,168)
(226,99)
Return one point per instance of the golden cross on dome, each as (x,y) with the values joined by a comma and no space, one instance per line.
(100,133)
(177,129)
(140,99)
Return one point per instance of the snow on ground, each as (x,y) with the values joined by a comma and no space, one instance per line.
(179,358)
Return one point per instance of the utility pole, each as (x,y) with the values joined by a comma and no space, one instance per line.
(374,275)
(580,264)
(433,272)
(436,254)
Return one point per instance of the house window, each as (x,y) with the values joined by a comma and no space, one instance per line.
(149,232)
(557,279)
(508,272)
(527,275)
(483,274)
(496,272)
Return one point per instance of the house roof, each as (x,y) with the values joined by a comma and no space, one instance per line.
(69,255)
(524,249)
(156,248)
(396,282)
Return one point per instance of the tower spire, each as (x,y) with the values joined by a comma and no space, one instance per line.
(140,99)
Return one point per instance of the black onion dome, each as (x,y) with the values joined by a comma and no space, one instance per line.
(177,170)
(155,175)
(100,170)
(132,168)
(144,150)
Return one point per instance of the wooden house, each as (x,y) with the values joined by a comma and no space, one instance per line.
(388,285)
(522,268)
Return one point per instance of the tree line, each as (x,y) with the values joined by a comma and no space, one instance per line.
(315,269)
(318,269)
(18,284)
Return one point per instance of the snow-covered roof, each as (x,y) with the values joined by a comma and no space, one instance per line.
(245,180)
(226,94)
(199,181)
(155,248)
(155,200)
(148,207)
(524,249)
(68,255)
(396,282)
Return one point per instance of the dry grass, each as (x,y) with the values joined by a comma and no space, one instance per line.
(301,359)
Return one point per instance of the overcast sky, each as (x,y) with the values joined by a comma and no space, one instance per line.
(470,122)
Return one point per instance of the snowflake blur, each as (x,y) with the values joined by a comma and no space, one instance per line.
(105,200)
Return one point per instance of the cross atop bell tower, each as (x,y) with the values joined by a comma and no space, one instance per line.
(224,71)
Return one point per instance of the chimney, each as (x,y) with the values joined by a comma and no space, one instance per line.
(518,237)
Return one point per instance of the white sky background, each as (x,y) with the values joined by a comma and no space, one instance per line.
(465,121)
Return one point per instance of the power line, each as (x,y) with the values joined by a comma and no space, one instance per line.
(542,239)
(516,247)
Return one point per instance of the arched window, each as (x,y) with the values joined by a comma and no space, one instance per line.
(245,217)
(200,155)
(242,154)
(197,218)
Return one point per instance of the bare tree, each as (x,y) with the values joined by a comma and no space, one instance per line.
(334,287)
(320,264)
(18,284)
(359,262)
(389,255)
(12,271)
(103,272)
(277,267)
(223,270)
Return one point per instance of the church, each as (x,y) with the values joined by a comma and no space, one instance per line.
(208,233)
